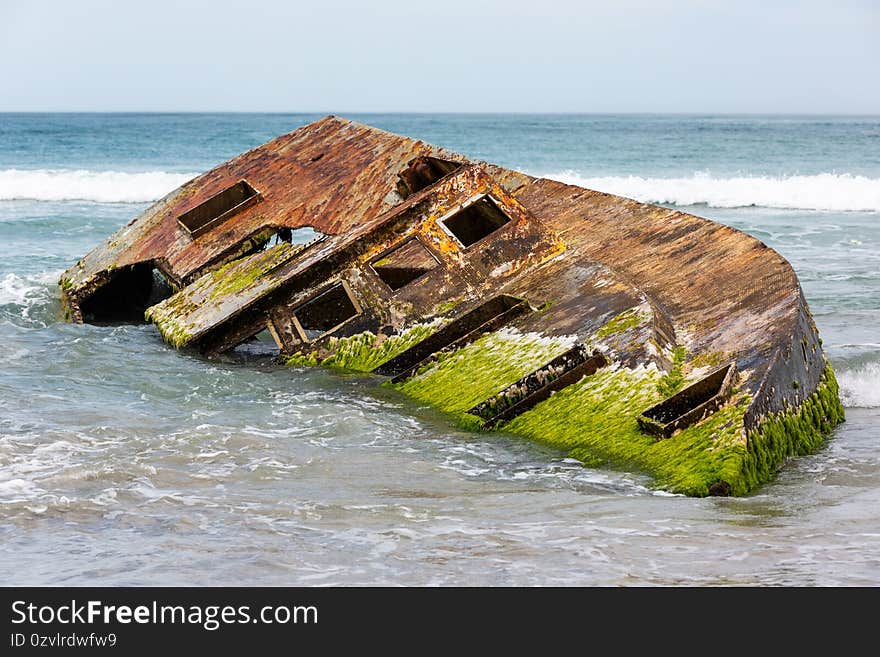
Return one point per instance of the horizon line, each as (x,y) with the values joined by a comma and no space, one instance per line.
(448,113)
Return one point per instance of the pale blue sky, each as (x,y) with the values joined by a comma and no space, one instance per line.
(800,56)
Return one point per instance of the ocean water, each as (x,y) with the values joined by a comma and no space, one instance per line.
(126,462)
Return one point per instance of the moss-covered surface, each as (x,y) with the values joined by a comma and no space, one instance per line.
(167,318)
(795,432)
(466,377)
(709,359)
(365,352)
(239,275)
(177,317)
(300,359)
(671,382)
(626,320)
(446,306)
(595,421)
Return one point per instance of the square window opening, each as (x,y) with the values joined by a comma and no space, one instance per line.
(476,221)
(404,264)
(325,312)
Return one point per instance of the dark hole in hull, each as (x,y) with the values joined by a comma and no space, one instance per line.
(291,236)
(125,297)
(325,312)
(404,264)
(267,239)
(423,172)
(476,221)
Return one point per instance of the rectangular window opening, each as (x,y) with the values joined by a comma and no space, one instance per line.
(404,264)
(475,221)
(219,208)
(325,312)
(691,404)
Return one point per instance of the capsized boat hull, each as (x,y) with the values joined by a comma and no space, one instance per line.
(622,332)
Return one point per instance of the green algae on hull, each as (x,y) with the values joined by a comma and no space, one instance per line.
(625,321)
(794,432)
(365,352)
(595,421)
(464,378)
(173,316)
(671,382)
(163,315)
(238,275)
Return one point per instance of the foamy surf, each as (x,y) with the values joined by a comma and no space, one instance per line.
(860,387)
(28,301)
(27,290)
(83,185)
(836,192)
(825,191)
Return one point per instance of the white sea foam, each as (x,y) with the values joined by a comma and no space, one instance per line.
(826,191)
(860,387)
(18,490)
(82,185)
(836,192)
(26,290)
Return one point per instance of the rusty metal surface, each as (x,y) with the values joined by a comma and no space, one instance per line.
(582,255)
(726,291)
(344,174)
(210,302)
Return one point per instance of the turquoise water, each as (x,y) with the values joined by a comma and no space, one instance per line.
(124,462)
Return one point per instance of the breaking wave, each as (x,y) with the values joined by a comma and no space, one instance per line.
(860,386)
(83,185)
(825,191)
(835,192)
(29,301)
(26,290)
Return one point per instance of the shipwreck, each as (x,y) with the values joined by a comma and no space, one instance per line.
(625,334)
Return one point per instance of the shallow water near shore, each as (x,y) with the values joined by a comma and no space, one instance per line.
(123,461)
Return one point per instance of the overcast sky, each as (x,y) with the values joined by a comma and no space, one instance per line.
(730,56)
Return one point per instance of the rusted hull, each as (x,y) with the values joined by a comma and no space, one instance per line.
(544,296)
